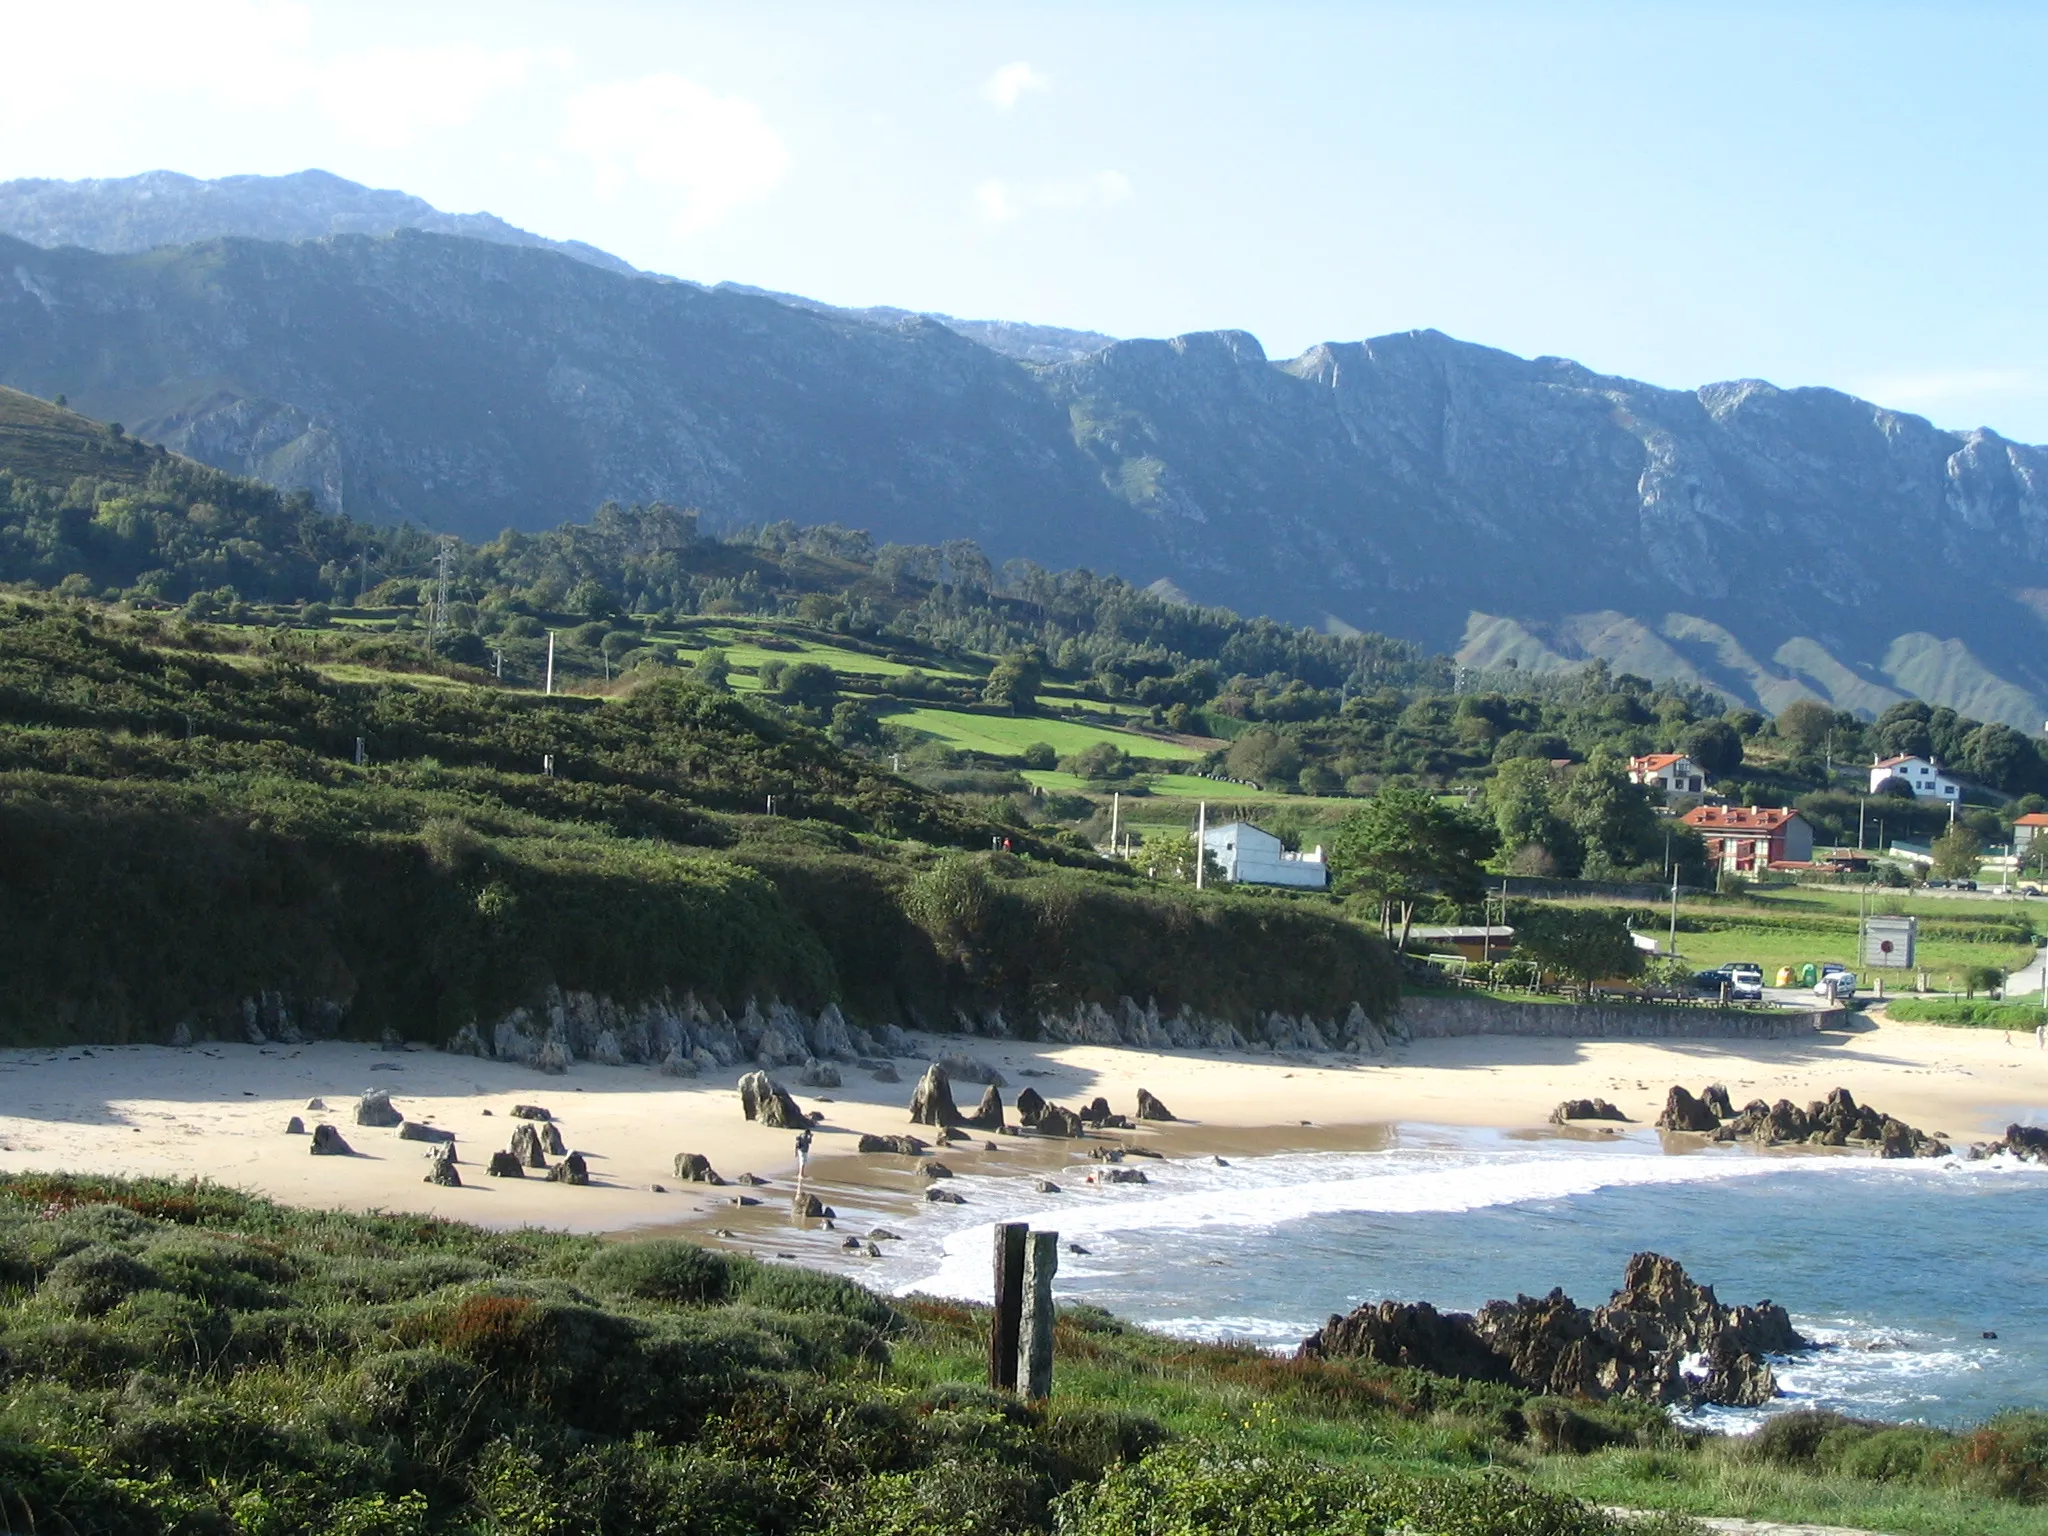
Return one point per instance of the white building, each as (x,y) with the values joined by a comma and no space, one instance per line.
(1923,776)
(1249,856)
(1672,772)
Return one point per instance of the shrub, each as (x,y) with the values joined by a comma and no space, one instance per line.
(1039,755)
(953,1498)
(660,1269)
(424,1392)
(785,1288)
(96,1280)
(225,1274)
(2009,1455)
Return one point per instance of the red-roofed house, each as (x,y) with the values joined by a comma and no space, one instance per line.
(1749,839)
(2025,829)
(1672,772)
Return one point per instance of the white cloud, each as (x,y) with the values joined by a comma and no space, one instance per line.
(1007,85)
(384,97)
(666,133)
(1909,391)
(1004,202)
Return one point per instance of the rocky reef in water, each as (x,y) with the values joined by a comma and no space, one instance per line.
(1636,1345)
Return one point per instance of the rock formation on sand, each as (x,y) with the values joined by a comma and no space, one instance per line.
(1150,1108)
(902,1146)
(441,1168)
(375,1108)
(695,1168)
(1635,1345)
(1584,1109)
(1683,1112)
(530,1112)
(570,1170)
(327,1142)
(988,1114)
(1030,1105)
(504,1165)
(527,1148)
(931,1101)
(769,1103)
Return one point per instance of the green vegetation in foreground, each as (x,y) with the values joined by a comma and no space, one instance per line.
(184,1359)
(1965,1013)
(183,833)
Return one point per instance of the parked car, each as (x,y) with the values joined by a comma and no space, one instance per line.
(1838,986)
(1710,980)
(1965,885)
(1746,984)
(2030,890)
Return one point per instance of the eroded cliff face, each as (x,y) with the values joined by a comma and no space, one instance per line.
(1771,542)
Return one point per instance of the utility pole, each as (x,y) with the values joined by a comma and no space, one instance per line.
(498,661)
(1862,811)
(1201,840)
(551,662)
(439,615)
(1116,803)
(1671,946)
(362,757)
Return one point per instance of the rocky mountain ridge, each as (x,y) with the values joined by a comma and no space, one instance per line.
(1526,513)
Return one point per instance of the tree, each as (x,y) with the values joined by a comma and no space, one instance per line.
(712,669)
(854,724)
(1519,799)
(1585,944)
(1955,853)
(1612,817)
(1263,756)
(808,684)
(1402,846)
(1039,754)
(1716,746)
(1102,761)
(1015,681)
(1805,724)
(593,599)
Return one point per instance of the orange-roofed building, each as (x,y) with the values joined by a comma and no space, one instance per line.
(2025,829)
(1749,839)
(1672,772)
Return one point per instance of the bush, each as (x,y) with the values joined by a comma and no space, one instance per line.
(786,1288)
(96,1280)
(659,1269)
(1039,755)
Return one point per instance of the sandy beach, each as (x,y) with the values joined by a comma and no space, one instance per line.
(219,1111)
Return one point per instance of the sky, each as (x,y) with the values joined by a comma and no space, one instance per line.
(1838,194)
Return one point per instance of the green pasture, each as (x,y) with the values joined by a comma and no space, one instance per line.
(1006,735)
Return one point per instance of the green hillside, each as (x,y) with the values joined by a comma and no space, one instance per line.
(188,826)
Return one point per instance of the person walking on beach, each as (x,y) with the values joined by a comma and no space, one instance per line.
(803,1152)
(2041,1037)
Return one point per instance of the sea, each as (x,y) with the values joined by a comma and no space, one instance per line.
(1925,1281)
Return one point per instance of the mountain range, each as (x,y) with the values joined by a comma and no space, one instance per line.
(450,369)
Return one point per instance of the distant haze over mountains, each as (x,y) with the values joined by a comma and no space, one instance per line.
(401,362)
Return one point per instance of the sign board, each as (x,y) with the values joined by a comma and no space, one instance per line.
(1888,942)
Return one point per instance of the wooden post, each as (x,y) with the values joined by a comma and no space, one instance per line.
(1009,1311)
(1034,1351)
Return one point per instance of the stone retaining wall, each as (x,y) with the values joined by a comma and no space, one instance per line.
(1437,1018)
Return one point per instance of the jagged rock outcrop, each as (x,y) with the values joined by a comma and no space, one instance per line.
(413,1130)
(2025,1143)
(295,1126)
(570,1170)
(1715,1097)
(327,1142)
(526,1146)
(1030,1105)
(970,1069)
(1635,1345)
(1058,1120)
(818,1074)
(1836,1121)
(441,1169)
(1150,1108)
(1683,1112)
(1585,1109)
(769,1103)
(931,1101)
(805,1206)
(988,1114)
(530,1112)
(503,1165)
(551,1139)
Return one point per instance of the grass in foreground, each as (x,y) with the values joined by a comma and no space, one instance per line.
(184,1359)
(1963,1013)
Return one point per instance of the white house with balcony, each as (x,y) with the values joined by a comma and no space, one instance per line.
(1248,855)
(1923,775)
